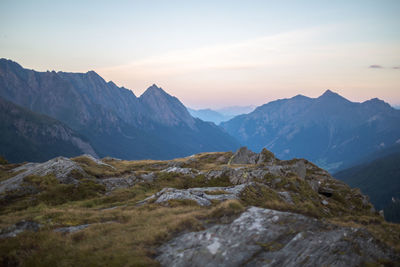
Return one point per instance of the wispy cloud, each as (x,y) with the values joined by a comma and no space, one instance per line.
(375,66)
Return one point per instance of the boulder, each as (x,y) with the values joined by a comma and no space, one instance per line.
(264,237)
(244,156)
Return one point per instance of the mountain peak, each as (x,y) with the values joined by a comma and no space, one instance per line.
(154,90)
(330,95)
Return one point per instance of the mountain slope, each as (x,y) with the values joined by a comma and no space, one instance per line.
(209,209)
(28,136)
(379,179)
(117,123)
(329,130)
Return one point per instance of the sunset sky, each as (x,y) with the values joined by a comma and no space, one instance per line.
(214,53)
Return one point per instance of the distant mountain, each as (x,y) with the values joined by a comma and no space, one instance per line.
(27,136)
(380,180)
(115,121)
(219,115)
(236,110)
(329,130)
(208,115)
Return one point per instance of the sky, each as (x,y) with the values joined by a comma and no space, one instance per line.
(214,53)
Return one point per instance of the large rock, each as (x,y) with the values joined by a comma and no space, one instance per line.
(118,182)
(202,195)
(244,156)
(61,167)
(264,237)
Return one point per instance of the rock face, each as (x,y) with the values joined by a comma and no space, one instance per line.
(116,123)
(264,237)
(203,195)
(61,167)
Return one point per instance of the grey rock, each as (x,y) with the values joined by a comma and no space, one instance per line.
(264,237)
(118,182)
(197,194)
(244,156)
(18,228)
(175,164)
(98,161)
(148,177)
(286,197)
(184,171)
(324,202)
(61,167)
(71,229)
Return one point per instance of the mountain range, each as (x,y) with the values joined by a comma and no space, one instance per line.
(219,115)
(329,130)
(115,122)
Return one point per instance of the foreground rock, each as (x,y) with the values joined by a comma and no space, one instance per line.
(264,237)
(203,196)
(16,229)
(61,167)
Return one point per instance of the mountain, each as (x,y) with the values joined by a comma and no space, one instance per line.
(115,121)
(379,179)
(29,136)
(235,110)
(208,209)
(209,115)
(220,115)
(329,130)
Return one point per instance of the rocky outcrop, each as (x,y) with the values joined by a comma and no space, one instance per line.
(246,156)
(71,229)
(118,182)
(16,229)
(61,168)
(203,195)
(184,171)
(97,161)
(264,237)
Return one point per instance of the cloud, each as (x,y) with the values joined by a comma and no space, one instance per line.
(375,66)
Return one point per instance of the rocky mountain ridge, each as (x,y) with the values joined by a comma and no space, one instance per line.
(115,121)
(329,130)
(223,208)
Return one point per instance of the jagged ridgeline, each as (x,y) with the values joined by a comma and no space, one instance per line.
(214,209)
(69,114)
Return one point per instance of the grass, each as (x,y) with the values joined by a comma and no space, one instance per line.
(130,239)
(129,234)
